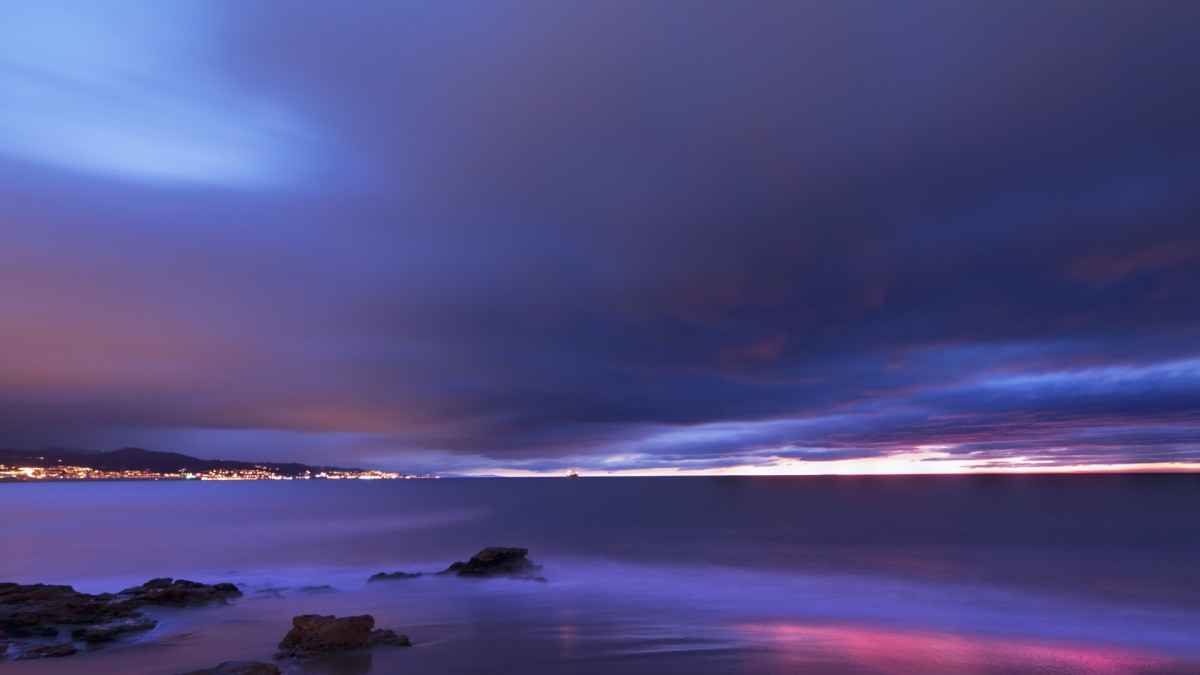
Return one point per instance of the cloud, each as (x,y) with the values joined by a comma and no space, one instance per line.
(671,235)
(133,92)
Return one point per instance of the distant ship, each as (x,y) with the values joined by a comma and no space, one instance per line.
(572,473)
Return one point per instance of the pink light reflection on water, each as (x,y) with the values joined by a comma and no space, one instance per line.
(849,649)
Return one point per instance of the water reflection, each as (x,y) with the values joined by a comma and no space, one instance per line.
(805,647)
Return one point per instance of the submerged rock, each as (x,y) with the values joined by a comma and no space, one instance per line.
(178,593)
(48,651)
(110,632)
(390,576)
(316,634)
(497,561)
(238,668)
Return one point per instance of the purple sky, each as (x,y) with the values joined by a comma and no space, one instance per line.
(485,236)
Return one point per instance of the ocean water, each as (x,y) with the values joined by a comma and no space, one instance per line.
(947,574)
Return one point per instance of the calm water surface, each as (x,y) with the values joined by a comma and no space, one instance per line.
(989,574)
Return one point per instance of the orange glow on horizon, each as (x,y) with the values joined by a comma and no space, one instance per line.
(923,461)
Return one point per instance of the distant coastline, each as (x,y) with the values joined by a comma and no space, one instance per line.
(138,464)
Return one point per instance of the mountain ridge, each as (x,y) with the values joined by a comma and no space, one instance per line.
(141,459)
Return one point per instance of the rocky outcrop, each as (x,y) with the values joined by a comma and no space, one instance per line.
(178,593)
(36,618)
(314,634)
(42,610)
(392,576)
(496,561)
(238,668)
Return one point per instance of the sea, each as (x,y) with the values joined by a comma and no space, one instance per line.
(983,574)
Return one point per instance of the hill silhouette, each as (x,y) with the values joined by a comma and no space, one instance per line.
(140,459)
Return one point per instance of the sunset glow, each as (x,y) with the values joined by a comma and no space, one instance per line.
(910,463)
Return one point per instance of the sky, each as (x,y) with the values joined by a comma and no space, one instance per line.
(632,237)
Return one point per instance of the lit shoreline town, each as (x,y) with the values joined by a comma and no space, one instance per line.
(70,473)
(73,464)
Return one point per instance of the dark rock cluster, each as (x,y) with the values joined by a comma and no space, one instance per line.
(178,593)
(44,621)
(42,610)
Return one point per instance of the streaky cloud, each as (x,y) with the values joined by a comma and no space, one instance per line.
(137,92)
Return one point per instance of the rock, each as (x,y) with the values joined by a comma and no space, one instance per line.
(238,668)
(314,634)
(41,610)
(324,588)
(389,576)
(178,593)
(45,611)
(48,611)
(48,651)
(496,561)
